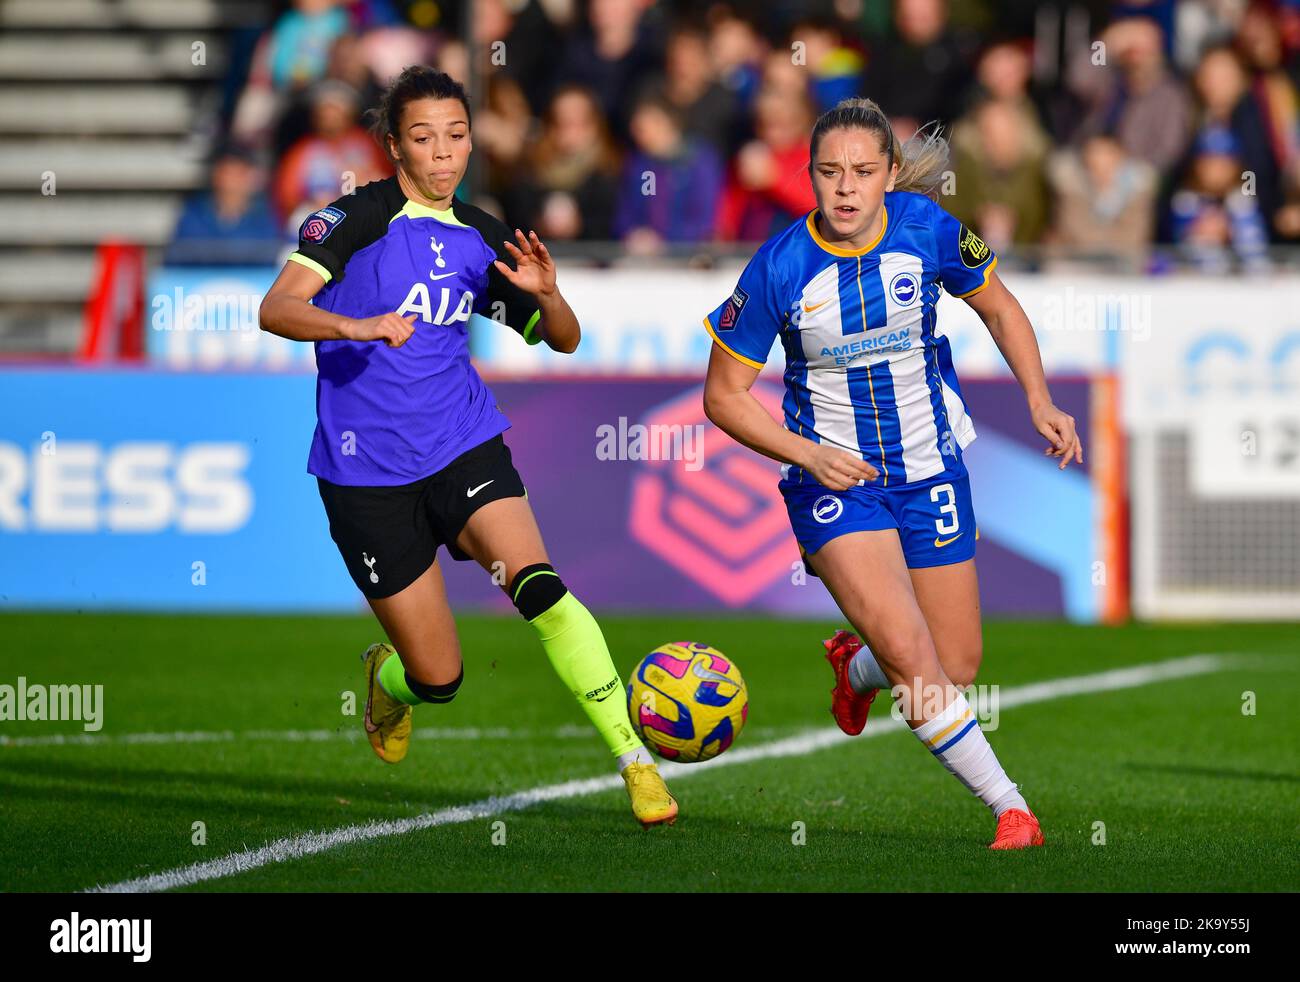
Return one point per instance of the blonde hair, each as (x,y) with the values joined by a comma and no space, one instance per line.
(922,160)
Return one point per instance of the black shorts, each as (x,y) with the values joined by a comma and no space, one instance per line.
(388,536)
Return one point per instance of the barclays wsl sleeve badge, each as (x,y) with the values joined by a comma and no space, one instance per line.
(731,309)
(320,224)
(971,248)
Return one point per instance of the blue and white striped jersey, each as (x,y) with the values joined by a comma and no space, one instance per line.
(865,370)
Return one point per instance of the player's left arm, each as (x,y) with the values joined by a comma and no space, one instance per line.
(1014,335)
(535,275)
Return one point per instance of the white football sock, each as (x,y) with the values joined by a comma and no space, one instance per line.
(865,673)
(638,756)
(955,737)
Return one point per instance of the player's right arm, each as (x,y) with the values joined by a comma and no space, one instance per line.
(286,310)
(732,408)
(327,239)
(743,329)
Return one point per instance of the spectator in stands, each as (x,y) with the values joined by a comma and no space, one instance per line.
(1273,94)
(835,68)
(918,76)
(1133,95)
(519,40)
(568,187)
(298,46)
(1104,200)
(501,131)
(349,63)
(1162,13)
(737,51)
(612,56)
(234,222)
(690,84)
(1003,73)
(782,75)
(768,185)
(1201,24)
(452,58)
(670,185)
(1213,220)
(1000,185)
(1286,221)
(337,154)
(361,60)
(1222,89)
(388,50)
(1272,77)
(291,56)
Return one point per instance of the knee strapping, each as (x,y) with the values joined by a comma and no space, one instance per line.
(536,589)
(436,693)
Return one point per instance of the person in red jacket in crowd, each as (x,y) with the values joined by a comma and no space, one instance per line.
(315,169)
(767,186)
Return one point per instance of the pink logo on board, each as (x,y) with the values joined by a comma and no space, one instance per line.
(724,524)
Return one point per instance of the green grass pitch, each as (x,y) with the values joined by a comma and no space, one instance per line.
(1194,794)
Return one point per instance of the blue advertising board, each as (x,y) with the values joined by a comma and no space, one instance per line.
(142,489)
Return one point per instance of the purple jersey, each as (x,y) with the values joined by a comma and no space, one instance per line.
(388,416)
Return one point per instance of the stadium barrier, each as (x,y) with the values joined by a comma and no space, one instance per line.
(1192,405)
(147,489)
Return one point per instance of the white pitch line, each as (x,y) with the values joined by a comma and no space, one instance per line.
(351,734)
(288,736)
(311,843)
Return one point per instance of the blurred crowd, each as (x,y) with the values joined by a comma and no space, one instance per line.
(1097,129)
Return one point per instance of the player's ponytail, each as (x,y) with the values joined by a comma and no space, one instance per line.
(922,160)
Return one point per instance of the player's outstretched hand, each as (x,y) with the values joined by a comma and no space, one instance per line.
(838,469)
(391,328)
(535,272)
(1058,428)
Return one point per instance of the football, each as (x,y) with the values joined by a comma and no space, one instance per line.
(687,701)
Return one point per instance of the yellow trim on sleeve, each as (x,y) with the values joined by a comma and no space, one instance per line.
(734,354)
(811,223)
(312,264)
(531,335)
(988,271)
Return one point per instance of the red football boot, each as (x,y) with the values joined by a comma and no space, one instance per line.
(1017,830)
(848,707)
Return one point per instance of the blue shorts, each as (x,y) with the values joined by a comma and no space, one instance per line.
(935,519)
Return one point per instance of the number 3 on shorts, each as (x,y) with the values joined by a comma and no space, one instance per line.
(949,508)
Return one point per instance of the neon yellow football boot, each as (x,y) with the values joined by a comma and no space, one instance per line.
(387,721)
(651,802)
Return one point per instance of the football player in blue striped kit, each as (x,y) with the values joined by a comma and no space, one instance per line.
(871,447)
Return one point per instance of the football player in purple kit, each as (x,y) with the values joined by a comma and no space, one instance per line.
(408,452)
